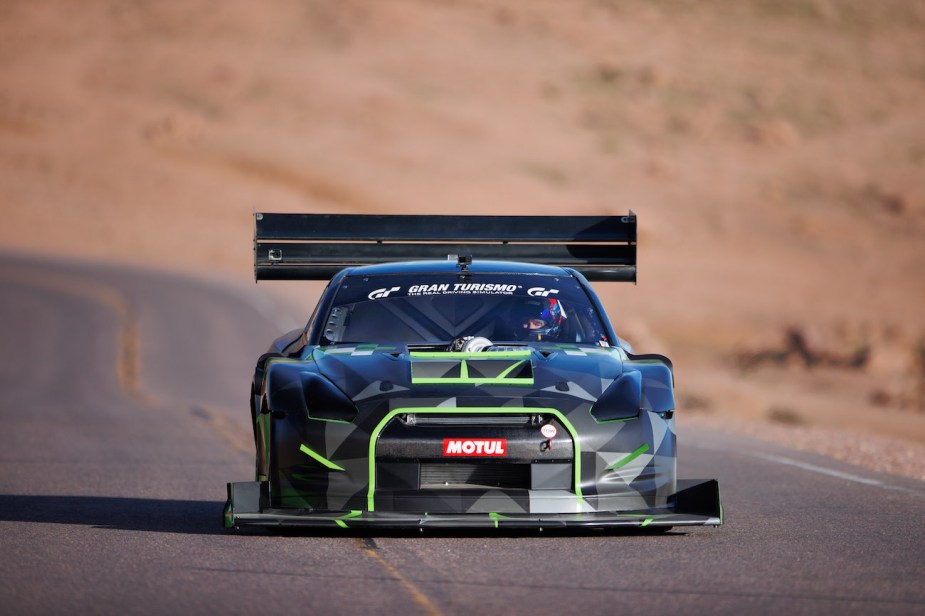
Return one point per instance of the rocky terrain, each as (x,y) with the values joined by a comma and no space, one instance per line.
(773,149)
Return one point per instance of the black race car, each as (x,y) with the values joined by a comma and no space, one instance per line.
(460,371)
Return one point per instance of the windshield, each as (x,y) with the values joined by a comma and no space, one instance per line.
(441,308)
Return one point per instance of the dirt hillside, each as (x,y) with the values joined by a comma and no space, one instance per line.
(773,149)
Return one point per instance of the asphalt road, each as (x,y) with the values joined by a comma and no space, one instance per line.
(123,398)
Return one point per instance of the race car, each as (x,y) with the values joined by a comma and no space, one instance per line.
(459,371)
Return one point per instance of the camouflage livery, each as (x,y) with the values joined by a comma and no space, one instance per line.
(541,433)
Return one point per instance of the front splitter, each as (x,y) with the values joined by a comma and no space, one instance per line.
(696,503)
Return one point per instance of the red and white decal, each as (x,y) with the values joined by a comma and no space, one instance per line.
(548,430)
(492,447)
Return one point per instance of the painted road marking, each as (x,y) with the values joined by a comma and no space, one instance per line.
(370,548)
(806,466)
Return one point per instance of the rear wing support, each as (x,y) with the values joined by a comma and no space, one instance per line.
(317,246)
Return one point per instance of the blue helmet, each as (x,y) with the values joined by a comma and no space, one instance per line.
(537,318)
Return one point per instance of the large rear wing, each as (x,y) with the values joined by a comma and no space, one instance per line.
(317,246)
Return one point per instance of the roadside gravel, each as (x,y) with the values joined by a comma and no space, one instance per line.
(884,454)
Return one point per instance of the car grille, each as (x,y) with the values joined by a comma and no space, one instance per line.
(414,471)
(464,475)
(472,420)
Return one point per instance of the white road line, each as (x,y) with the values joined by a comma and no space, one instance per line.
(818,469)
(813,468)
(833,473)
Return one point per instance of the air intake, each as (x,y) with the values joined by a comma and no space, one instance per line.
(460,475)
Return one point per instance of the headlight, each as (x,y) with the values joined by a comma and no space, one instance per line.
(621,401)
(325,401)
(311,395)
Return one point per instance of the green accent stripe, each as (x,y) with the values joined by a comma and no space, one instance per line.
(228,515)
(610,421)
(462,410)
(621,463)
(263,428)
(327,463)
(340,421)
(646,522)
(279,360)
(473,381)
(497,516)
(480,355)
(509,370)
(354,513)
(463,359)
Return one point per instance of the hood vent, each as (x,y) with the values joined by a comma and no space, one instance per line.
(512,368)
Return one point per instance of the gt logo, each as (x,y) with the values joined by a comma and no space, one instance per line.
(541,292)
(475,447)
(380,293)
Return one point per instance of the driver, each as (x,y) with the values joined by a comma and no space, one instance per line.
(536,319)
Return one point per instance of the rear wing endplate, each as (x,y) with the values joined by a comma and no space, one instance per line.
(317,246)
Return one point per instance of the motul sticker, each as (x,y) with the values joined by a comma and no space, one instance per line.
(475,447)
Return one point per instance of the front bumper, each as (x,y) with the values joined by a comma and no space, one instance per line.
(696,503)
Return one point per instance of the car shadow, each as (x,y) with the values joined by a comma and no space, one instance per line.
(205,518)
(369,535)
(141,514)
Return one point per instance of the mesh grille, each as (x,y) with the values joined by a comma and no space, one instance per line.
(489,475)
(473,420)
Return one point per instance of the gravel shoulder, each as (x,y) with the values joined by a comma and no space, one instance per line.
(881,453)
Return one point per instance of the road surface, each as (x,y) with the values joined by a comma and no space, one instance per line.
(123,396)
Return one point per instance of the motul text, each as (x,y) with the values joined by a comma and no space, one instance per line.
(474,447)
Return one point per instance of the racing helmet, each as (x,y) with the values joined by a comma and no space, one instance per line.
(537,318)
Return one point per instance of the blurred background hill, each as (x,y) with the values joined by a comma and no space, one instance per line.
(773,149)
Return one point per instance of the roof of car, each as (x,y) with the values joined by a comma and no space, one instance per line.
(451,267)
